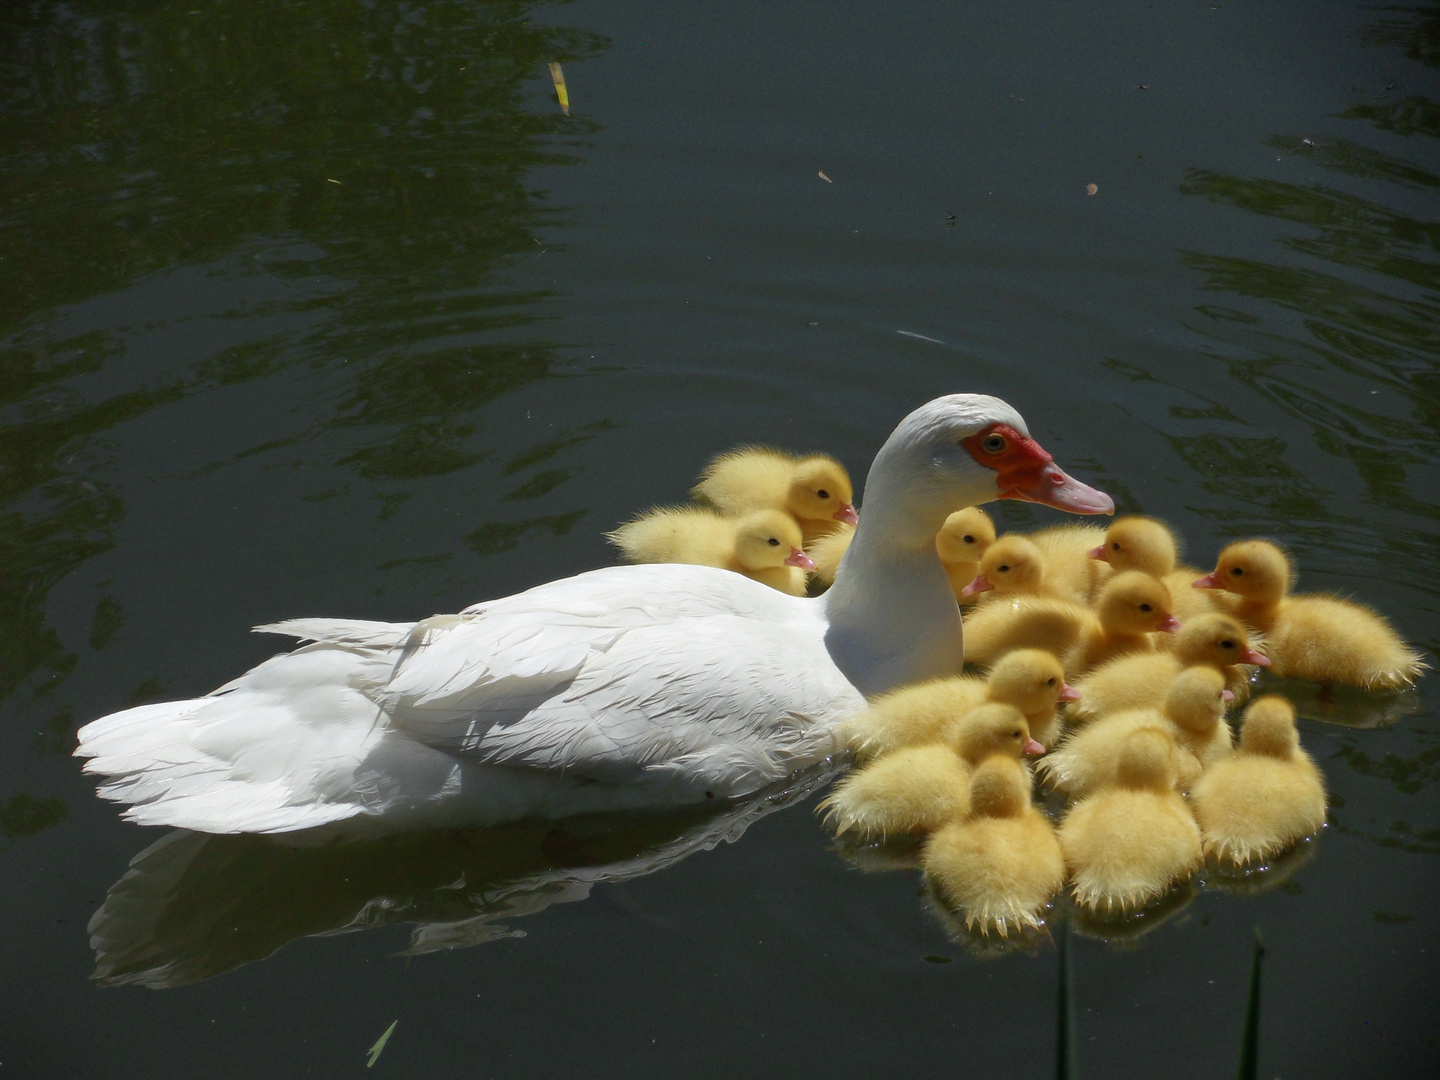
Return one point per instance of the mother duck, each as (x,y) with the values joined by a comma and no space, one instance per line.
(633,686)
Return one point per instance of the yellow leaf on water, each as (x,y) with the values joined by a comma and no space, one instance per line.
(559,77)
(379,1046)
(1091,189)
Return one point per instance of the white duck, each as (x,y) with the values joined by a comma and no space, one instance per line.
(631,686)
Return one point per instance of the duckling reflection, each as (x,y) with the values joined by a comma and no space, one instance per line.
(195,905)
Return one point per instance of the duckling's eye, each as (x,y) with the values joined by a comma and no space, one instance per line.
(993,444)
(1146,607)
(1115,545)
(1005,569)
(1227,644)
(969,539)
(1236,571)
(1050,681)
(1015,734)
(773,542)
(823,493)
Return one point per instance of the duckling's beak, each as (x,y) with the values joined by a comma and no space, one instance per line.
(979,585)
(1227,696)
(1170,625)
(847,514)
(1256,658)
(800,559)
(1033,748)
(1068,693)
(1209,581)
(1098,553)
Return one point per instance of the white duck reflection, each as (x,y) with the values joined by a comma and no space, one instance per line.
(194,905)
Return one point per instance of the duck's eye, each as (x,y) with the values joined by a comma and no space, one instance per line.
(994,444)
(1236,571)
(1015,734)
(1115,545)
(1227,644)
(1146,607)
(823,493)
(1005,569)
(1050,681)
(969,539)
(773,542)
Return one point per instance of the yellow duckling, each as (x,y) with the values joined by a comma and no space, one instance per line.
(1132,607)
(1141,543)
(1000,866)
(1127,845)
(920,788)
(961,542)
(1013,566)
(1193,716)
(1066,551)
(764,545)
(1141,680)
(1029,679)
(1266,796)
(1317,638)
(815,490)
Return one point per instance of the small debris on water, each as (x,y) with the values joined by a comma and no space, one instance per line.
(559,79)
(825,178)
(1091,189)
(379,1046)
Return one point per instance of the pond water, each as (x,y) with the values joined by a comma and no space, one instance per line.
(325,308)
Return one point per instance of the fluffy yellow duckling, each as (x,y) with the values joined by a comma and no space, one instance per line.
(1317,638)
(1029,679)
(1132,606)
(1066,551)
(764,545)
(1000,866)
(1193,716)
(1141,680)
(1266,796)
(1013,566)
(920,788)
(1127,845)
(815,490)
(1141,543)
(961,542)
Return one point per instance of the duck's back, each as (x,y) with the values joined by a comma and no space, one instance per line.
(1327,639)
(649,685)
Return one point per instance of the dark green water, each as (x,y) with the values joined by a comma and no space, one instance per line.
(324,308)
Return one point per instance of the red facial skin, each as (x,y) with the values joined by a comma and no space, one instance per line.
(1024,470)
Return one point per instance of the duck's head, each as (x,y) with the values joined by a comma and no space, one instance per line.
(1012,564)
(1136,603)
(820,490)
(1197,698)
(1218,640)
(966,536)
(1147,761)
(1032,680)
(1138,543)
(1269,728)
(999,788)
(1255,569)
(770,538)
(960,451)
(994,728)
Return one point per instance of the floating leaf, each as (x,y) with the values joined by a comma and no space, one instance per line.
(380,1042)
(559,77)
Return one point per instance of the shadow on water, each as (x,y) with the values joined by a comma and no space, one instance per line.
(194,905)
(367,164)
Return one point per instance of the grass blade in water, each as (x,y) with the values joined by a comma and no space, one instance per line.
(1065,1013)
(379,1046)
(1250,1036)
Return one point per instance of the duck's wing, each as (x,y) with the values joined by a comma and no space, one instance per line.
(658,672)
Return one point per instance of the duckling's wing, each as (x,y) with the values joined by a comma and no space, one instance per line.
(658,673)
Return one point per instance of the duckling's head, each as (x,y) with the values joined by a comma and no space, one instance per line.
(820,490)
(1032,680)
(1269,728)
(1254,569)
(1136,603)
(966,536)
(1218,640)
(1147,761)
(1012,565)
(995,728)
(999,788)
(770,538)
(1196,700)
(1138,543)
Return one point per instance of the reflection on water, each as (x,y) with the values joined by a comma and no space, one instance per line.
(370,162)
(194,905)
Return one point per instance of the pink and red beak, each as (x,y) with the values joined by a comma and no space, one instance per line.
(1209,581)
(1068,693)
(1098,553)
(847,514)
(1033,748)
(1227,696)
(976,587)
(1025,471)
(800,559)
(1256,658)
(1170,625)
